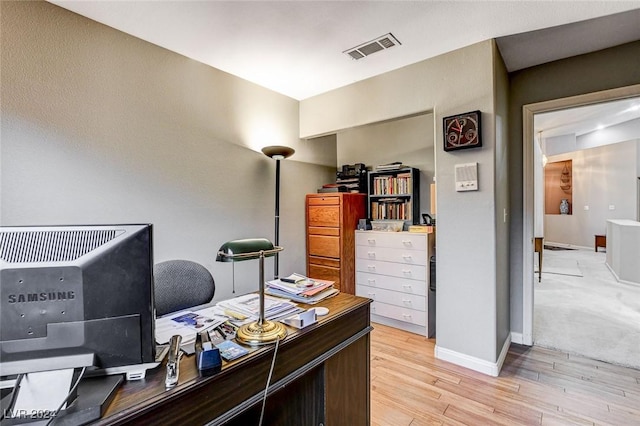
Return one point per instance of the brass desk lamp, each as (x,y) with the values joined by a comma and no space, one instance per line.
(261,332)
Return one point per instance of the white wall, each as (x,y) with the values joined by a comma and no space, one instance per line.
(100,127)
(602,177)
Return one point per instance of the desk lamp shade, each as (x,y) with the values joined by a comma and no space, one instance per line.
(262,331)
(277,153)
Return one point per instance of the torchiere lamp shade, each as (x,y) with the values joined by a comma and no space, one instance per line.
(278,152)
(259,332)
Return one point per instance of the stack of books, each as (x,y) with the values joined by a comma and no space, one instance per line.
(301,289)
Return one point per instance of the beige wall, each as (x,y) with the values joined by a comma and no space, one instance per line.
(101,127)
(468,270)
(602,177)
(408,140)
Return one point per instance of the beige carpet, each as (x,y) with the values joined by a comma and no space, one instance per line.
(591,315)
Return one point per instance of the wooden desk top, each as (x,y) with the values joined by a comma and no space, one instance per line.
(200,399)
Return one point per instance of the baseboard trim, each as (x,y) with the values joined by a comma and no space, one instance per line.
(618,278)
(517,338)
(473,363)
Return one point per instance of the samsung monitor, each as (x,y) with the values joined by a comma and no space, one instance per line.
(76,296)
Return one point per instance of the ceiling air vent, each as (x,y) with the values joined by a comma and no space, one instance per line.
(381,43)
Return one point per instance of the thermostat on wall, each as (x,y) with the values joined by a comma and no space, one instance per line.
(467,177)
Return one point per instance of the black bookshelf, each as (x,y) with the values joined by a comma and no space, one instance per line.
(394,194)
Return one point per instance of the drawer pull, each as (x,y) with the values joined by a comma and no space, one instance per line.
(371,267)
(371,241)
(407,257)
(372,254)
(407,316)
(407,242)
(371,295)
(405,272)
(406,302)
(371,281)
(407,287)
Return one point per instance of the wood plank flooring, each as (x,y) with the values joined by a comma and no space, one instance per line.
(536,386)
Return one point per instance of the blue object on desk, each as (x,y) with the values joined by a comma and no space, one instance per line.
(208,360)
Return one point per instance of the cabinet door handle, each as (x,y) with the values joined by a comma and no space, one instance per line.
(371,254)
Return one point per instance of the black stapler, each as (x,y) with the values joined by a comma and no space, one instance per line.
(208,358)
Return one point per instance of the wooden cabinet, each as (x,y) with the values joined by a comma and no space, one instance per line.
(331,223)
(392,268)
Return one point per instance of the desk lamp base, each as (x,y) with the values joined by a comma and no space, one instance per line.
(256,334)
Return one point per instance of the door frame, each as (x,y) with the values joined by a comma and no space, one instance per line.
(528,112)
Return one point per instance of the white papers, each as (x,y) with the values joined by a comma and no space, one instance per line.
(167,326)
(249,305)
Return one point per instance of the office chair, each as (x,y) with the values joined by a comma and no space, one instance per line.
(181,284)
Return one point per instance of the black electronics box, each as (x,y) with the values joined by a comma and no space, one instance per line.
(351,171)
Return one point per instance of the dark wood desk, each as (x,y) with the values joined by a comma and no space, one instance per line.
(321,376)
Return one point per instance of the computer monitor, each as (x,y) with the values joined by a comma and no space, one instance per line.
(76,296)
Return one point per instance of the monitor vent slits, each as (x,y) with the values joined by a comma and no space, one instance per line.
(51,246)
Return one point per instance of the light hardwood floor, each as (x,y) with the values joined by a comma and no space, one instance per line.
(536,387)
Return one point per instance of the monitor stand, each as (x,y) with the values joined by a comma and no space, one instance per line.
(93,397)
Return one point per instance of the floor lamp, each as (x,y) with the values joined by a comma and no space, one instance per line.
(277,153)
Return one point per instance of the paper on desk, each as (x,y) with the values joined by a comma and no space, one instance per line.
(168,326)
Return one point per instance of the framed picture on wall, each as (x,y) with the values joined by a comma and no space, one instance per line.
(462,131)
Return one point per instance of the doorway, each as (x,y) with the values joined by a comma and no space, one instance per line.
(529,111)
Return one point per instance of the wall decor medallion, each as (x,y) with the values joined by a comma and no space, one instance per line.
(462,131)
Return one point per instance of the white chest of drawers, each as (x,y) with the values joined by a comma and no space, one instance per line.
(392,269)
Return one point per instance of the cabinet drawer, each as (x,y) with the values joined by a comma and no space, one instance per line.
(321,245)
(403,285)
(399,313)
(400,240)
(324,273)
(319,230)
(323,200)
(323,216)
(415,272)
(325,261)
(404,300)
(411,257)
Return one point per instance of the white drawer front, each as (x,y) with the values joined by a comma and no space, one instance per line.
(412,257)
(403,300)
(391,283)
(401,240)
(399,313)
(414,272)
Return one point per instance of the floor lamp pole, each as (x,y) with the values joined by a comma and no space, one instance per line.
(277,216)
(277,153)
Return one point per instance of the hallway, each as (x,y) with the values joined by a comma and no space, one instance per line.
(580,308)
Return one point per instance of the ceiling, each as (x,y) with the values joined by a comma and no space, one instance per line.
(297,47)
